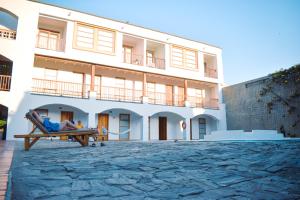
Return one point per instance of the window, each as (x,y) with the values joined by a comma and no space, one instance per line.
(150,58)
(184,58)
(93,38)
(127,53)
(48,40)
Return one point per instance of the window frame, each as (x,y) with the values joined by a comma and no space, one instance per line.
(184,58)
(95,38)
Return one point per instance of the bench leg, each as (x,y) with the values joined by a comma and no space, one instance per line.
(86,140)
(28,144)
(78,139)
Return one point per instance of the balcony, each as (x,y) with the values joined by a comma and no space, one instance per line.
(133,50)
(164,99)
(59,88)
(198,102)
(155,53)
(210,66)
(51,34)
(49,40)
(8,34)
(210,72)
(120,94)
(5,82)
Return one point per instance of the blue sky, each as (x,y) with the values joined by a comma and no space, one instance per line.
(257,37)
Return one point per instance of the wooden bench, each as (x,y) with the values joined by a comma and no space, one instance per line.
(80,135)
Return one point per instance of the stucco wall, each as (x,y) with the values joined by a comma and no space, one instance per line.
(247,110)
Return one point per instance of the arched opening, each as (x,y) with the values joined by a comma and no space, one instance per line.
(8,24)
(166,126)
(61,112)
(5,73)
(203,125)
(3,122)
(122,124)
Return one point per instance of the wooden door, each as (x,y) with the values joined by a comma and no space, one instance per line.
(169,93)
(162,123)
(66,115)
(102,122)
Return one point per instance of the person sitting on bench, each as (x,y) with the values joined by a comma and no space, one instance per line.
(55,127)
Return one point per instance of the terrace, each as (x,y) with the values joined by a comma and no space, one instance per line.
(157,170)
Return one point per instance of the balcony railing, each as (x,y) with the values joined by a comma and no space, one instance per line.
(8,34)
(211,72)
(119,94)
(58,88)
(155,62)
(163,99)
(199,102)
(133,59)
(5,82)
(49,43)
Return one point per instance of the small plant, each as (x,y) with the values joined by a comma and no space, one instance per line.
(2,123)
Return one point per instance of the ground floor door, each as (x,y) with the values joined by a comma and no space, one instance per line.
(124,125)
(102,122)
(66,115)
(202,128)
(162,128)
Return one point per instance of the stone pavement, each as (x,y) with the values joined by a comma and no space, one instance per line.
(6,153)
(158,170)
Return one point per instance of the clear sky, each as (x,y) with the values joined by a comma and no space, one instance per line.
(257,36)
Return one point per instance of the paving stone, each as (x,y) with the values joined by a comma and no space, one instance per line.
(80,185)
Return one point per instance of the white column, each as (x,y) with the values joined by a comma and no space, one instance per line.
(145,129)
(167,56)
(92,120)
(145,52)
(68,37)
(187,129)
(201,64)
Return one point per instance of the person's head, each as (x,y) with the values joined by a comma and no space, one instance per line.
(78,122)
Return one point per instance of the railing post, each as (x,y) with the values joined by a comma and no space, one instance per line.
(92,89)
(145,96)
(186,103)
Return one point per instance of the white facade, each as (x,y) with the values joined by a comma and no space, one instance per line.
(68,61)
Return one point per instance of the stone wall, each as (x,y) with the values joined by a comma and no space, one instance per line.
(247,110)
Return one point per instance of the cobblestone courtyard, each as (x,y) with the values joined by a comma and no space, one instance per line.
(159,170)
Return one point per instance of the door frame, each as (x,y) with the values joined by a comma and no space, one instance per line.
(100,128)
(128,126)
(166,128)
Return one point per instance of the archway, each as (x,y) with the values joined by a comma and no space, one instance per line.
(3,121)
(202,125)
(122,124)
(166,126)
(8,24)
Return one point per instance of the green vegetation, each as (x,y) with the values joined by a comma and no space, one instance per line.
(287,80)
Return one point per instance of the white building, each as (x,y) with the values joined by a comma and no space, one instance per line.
(71,65)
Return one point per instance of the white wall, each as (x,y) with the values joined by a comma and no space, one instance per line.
(113,124)
(174,130)
(211,125)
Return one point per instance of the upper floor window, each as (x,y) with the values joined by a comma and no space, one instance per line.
(93,38)
(184,58)
(49,40)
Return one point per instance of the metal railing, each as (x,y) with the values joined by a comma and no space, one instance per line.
(49,43)
(158,63)
(119,94)
(163,99)
(198,102)
(58,88)
(133,59)
(8,34)
(211,72)
(5,81)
